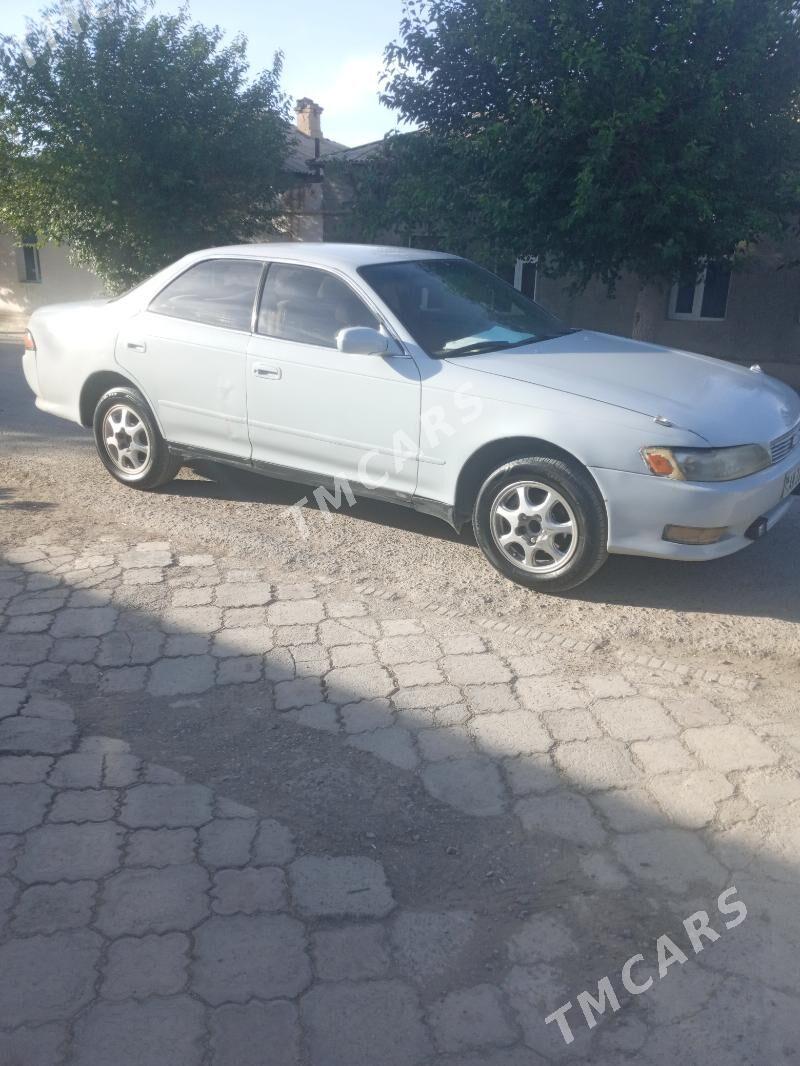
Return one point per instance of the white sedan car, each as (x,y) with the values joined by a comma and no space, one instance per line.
(420,378)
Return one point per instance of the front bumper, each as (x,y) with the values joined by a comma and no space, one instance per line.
(641,505)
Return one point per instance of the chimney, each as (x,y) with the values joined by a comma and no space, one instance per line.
(308,117)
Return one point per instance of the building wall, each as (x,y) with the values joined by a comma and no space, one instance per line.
(61,281)
(762,321)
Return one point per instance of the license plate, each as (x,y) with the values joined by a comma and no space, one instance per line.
(791,481)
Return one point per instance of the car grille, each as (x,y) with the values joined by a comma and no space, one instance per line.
(781,446)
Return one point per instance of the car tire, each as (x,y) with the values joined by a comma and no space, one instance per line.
(542,522)
(129,443)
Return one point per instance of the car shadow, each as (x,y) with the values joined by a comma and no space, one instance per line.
(222,482)
(555,874)
(762,580)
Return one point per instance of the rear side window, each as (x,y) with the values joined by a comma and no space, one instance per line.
(216,292)
(309,306)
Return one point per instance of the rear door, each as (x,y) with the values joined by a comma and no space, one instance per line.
(313,408)
(188,352)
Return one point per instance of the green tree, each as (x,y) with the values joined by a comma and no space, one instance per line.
(603,135)
(135,138)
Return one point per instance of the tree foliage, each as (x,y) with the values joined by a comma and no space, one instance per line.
(603,135)
(135,138)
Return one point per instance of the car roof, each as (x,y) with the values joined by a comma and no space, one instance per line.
(319,253)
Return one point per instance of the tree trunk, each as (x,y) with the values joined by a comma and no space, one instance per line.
(647,313)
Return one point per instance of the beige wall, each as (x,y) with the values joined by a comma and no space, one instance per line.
(61,281)
(762,322)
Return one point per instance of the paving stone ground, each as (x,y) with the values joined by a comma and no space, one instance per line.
(148,918)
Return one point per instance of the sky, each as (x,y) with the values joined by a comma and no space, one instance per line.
(333,50)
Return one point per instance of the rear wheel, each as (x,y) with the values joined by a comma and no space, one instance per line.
(129,443)
(542,523)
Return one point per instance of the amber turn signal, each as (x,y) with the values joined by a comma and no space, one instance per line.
(661,462)
(693,534)
(28,343)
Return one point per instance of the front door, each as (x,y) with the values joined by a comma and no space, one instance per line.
(188,352)
(315,409)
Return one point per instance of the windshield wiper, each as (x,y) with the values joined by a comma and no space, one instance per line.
(473,349)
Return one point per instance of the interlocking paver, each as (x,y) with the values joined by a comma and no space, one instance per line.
(367,715)
(471,1018)
(53,976)
(24,769)
(510,733)
(571,725)
(361,1024)
(596,764)
(78,770)
(168,806)
(450,742)
(489,699)
(243,640)
(428,944)
(191,888)
(51,908)
(11,699)
(561,814)
(161,847)
(181,676)
(41,1046)
(83,806)
(663,756)
(690,799)
(37,736)
(635,718)
(138,967)
(674,858)
(22,806)
(84,622)
(241,1034)
(145,900)
(69,852)
(351,953)
(393,744)
(473,784)
(240,956)
(481,669)
(300,692)
(727,747)
(349,683)
(251,891)
(406,649)
(136,1033)
(295,612)
(352,885)
(227,841)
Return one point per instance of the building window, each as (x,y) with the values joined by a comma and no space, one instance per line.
(526,276)
(703,296)
(28,265)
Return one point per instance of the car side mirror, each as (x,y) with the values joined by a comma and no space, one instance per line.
(362,340)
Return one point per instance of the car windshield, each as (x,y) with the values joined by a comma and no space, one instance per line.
(452,307)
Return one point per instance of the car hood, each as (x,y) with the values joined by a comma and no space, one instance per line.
(719,401)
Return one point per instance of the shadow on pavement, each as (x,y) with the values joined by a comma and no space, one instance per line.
(507,794)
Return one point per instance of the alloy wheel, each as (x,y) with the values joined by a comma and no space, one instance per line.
(534,527)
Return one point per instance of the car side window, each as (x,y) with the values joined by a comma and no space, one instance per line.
(216,292)
(309,306)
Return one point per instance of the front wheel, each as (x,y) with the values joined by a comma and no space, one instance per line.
(542,523)
(129,443)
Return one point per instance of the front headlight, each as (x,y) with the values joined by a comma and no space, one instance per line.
(707,464)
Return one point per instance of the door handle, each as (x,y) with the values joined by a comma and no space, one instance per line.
(137,346)
(262,371)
